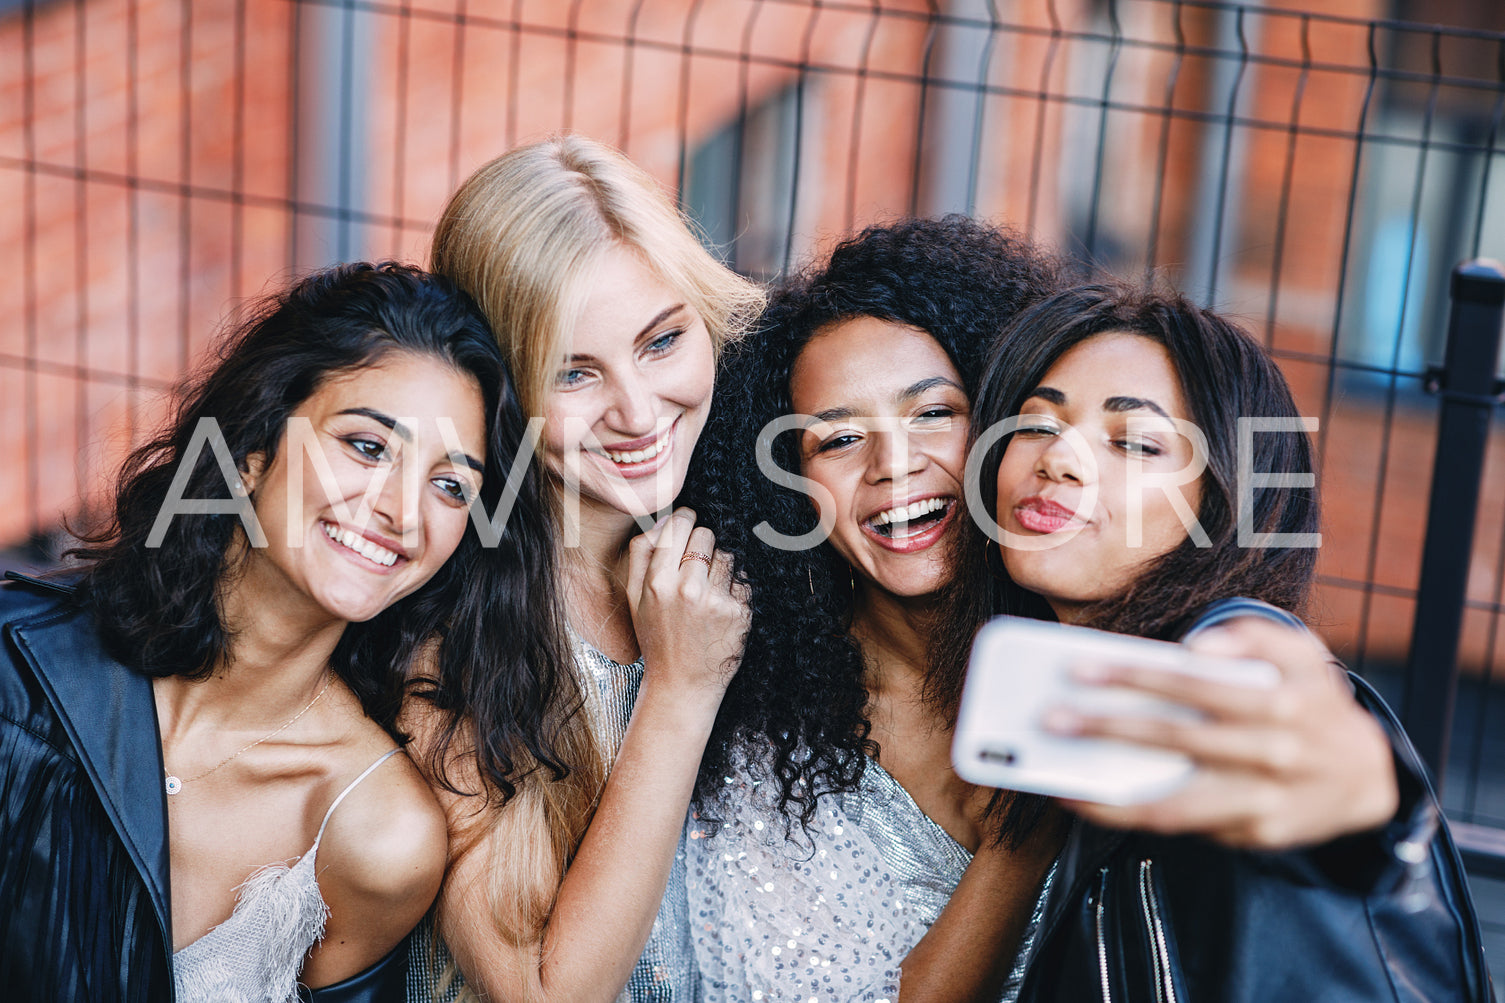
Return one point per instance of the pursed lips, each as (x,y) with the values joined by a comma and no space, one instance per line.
(1041,515)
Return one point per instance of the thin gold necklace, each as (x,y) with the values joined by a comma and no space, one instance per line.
(173,784)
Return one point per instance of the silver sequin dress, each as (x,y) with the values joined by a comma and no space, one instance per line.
(829,916)
(666,973)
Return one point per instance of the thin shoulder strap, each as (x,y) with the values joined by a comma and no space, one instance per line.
(352,785)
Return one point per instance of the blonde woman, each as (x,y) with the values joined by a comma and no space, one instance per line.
(611,315)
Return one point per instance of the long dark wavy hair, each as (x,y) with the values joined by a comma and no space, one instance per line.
(1225,375)
(799,692)
(491,611)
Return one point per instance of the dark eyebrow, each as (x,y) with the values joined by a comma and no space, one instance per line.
(658,318)
(398,428)
(907,394)
(834,414)
(916,389)
(1118,405)
(466,460)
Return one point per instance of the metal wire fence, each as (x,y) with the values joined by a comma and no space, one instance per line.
(1315,174)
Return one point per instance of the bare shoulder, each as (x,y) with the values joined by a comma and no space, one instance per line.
(387,840)
(380,865)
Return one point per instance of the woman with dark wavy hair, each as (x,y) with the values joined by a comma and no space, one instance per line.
(1306,857)
(204,797)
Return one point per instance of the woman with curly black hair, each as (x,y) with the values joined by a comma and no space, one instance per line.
(877,353)
(204,796)
(836,846)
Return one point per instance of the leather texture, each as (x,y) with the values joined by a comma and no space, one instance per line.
(383,982)
(85,904)
(1135,917)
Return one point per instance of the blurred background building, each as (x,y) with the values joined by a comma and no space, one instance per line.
(1314,168)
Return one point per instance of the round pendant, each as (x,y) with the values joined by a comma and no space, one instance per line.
(174,785)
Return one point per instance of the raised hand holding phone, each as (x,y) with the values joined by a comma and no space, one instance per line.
(1296,765)
(1025,672)
(1295,762)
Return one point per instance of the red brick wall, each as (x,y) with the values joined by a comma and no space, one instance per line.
(149,215)
(127,281)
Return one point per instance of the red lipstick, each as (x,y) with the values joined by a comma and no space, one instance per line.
(1041,515)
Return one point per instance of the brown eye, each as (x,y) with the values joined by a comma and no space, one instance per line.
(1139,447)
(456,489)
(837,442)
(1037,429)
(372,449)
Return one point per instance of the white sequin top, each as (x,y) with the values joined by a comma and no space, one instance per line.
(826,917)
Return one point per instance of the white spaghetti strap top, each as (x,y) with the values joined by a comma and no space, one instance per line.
(255,955)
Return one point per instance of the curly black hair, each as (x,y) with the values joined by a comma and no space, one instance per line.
(501,653)
(799,692)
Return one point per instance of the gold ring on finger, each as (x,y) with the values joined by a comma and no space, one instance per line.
(695,555)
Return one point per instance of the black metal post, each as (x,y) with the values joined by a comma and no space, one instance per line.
(1469,394)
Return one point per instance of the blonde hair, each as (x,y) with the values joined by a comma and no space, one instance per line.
(530,839)
(525,233)
(524,236)
(527,841)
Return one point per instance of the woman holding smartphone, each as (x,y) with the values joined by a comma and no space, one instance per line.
(1117,498)
(837,730)
(204,797)
(569,884)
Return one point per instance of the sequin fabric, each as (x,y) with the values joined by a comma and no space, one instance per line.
(825,916)
(666,973)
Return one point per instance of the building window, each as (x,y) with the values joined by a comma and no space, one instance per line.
(741,186)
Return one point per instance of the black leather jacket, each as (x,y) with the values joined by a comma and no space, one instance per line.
(85,908)
(1380,917)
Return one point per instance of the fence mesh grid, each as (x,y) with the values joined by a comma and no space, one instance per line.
(1315,174)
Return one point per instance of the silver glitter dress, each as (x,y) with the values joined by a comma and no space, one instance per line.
(829,916)
(666,972)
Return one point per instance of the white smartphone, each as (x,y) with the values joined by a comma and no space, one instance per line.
(1020,669)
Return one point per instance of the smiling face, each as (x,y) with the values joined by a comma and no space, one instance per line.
(1120,392)
(321,554)
(889,450)
(632,398)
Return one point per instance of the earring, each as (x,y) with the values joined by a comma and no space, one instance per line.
(993,560)
(810,577)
